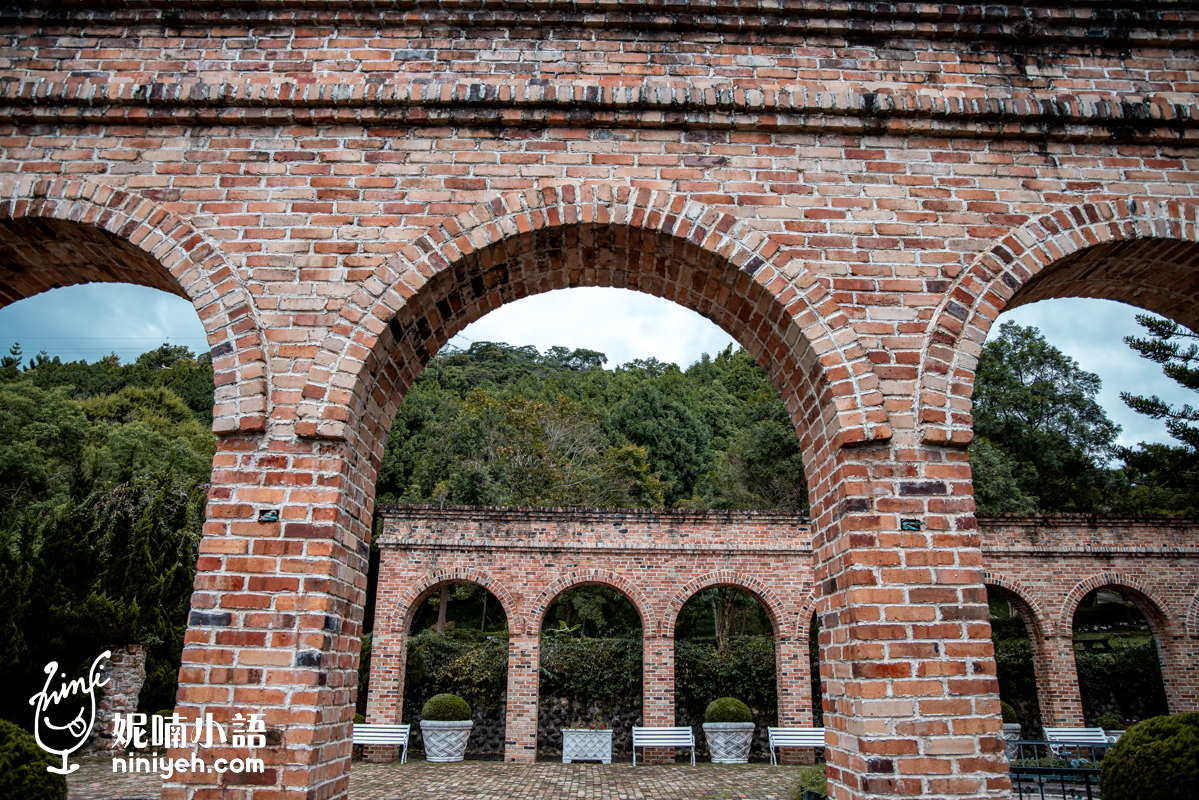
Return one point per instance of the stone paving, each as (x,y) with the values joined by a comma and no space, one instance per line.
(495,780)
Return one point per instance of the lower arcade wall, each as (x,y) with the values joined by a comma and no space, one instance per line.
(659,559)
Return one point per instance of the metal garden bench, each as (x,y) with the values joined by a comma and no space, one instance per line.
(663,737)
(1075,738)
(794,737)
(394,735)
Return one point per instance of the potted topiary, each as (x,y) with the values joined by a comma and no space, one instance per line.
(1157,759)
(1113,726)
(729,729)
(445,725)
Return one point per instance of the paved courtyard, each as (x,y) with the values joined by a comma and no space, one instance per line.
(495,780)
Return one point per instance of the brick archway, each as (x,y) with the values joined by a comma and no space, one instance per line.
(536,609)
(1149,602)
(1193,617)
(56,233)
(400,617)
(1043,624)
(706,260)
(1142,252)
(774,606)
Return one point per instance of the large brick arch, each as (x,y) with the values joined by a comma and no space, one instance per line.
(57,233)
(535,610)
(1150,602)
(1141,252)
(400,618)
(1043,624)
(1193,617)
(661,243)
(775,608)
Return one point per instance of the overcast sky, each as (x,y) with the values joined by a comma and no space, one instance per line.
(88,322)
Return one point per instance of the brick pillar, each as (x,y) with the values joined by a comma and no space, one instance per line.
(793,670)
(657,691)
(1179,659)
(520,719)
(276,617)
(1057,683)
(385,696)
(911,700)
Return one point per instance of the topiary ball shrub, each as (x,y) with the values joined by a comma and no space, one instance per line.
(1009,713)
(728,709)
(445,708)
(23,767)
(1157,759)
(359,719)
(1108,721)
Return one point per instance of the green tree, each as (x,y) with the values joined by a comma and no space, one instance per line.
(677,442)
(1038,406)
(1164,477)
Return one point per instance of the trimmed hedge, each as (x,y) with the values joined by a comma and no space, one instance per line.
(1009,713)
(1157,759)
(445,708)
(728,709)
(23,767)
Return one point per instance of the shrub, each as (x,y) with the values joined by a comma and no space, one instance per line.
(23,767)
(359,719)
(1009,713)
(1157,759)
(728,709)
(445,708)
(812,778)
(1109,721)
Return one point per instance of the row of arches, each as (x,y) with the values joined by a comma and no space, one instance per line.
(62,232)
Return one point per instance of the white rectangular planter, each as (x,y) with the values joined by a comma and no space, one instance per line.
(580,744)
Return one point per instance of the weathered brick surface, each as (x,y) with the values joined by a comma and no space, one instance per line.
(528,557)
(853,191)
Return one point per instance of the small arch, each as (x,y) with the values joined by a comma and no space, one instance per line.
(401,614)
(762,593)
(541,604)
(1039,619)
(57,233)
(807,611)
(1139,251)
(1193,617)
(1148,601)
(676,248)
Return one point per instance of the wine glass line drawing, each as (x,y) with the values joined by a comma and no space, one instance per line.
(46,699)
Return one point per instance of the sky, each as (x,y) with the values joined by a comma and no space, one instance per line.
(90,321)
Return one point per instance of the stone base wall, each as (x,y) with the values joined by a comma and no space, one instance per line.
(123,674)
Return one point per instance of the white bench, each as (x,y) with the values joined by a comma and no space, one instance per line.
(394,735)
(1075,736)
(663,737)
(794,737)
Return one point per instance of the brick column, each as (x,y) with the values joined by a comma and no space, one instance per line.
(276,618)
(657,691)
(911,700)
(385,696)
(1179,658)
(793,670)
(520,732)
(1058,694)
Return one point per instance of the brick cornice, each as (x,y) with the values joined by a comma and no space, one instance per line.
(582,104)
(1050,21)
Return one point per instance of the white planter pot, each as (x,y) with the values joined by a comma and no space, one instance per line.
(445,741)
(729,742)
(580,744)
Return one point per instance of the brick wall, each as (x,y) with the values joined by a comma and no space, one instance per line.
(853,192)
(659,559)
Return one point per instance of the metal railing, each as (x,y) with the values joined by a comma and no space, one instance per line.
(1053,770)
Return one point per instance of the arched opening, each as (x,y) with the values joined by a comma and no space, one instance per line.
(724,646)
(1116,653)
(1013,627)
(114,454)
(457,643)
(590,672)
